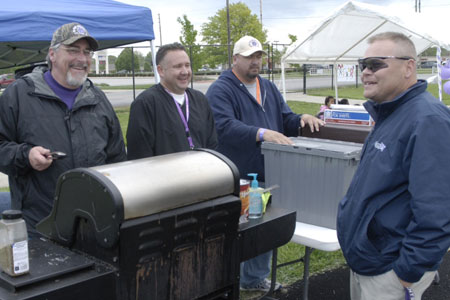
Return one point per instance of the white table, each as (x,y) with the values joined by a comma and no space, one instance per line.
(312,237)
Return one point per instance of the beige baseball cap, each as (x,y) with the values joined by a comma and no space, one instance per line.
(69,33)
(247,45)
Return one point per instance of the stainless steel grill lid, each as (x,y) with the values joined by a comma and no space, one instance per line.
(107,195)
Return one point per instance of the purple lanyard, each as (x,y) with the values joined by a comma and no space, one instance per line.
(409,294)
(185,120)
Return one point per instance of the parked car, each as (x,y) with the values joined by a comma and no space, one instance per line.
(6,79)
(428,64)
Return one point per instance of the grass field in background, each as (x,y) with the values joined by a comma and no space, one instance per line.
(352,92)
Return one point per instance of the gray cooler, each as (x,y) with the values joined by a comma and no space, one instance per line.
(313,175)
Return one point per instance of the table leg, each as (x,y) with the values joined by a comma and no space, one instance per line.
(308,251)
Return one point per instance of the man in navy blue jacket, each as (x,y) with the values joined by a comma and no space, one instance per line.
(248,110)
(394,224)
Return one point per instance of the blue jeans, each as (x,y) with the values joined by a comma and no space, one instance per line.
(254,270)
(5,201)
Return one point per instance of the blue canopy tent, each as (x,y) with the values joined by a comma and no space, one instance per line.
(26,26)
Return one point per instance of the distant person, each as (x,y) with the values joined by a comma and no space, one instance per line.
(328,101)
(248,110)
(55,110)
(343,101)
(170,117)
(393,224)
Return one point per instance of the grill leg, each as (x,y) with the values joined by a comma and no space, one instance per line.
(273,278)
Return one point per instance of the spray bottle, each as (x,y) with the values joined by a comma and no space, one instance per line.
(255,209)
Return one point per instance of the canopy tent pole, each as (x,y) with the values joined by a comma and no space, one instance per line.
(335,81)
(155,71)
(283,83)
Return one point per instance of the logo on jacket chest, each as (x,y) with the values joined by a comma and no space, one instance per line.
(380,146)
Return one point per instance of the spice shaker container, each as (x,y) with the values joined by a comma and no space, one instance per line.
(14,259)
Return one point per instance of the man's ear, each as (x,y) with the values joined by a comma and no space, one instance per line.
(51,55)
(410,68)
(160,70)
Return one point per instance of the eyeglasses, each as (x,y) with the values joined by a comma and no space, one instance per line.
(73,51)
(375,63)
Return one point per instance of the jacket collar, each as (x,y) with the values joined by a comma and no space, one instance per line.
(85,97)
(381,110)
(228,74)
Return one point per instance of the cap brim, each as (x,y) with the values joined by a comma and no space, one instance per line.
(92,42)
(251,51)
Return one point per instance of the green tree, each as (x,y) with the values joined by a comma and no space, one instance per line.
(188,39)
(292,37)
(148,62)
(123,62)
(242,22)
(432,52)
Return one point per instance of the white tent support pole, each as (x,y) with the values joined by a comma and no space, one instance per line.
(155,71)
(283,83)
(335,82)
(97,64)
(107,62)
(361,39)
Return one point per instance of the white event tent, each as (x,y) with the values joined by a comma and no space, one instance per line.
(342,37)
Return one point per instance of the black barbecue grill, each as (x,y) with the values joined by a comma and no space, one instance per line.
(158,228)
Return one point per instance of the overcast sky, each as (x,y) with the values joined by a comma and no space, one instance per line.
(279,17)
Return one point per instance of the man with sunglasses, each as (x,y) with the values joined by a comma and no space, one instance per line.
(51,111)
(393,224)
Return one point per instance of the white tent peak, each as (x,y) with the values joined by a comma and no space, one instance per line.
(342,37)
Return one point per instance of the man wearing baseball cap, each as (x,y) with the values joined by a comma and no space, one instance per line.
(248,110)
(55,109)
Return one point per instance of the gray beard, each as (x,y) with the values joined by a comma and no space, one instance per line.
(75,82)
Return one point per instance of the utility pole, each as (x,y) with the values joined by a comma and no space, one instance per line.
(228,31)
(160,36)
(260,13)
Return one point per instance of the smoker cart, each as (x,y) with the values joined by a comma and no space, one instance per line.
(165,227)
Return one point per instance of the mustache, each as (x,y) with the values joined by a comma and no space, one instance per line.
(79,65)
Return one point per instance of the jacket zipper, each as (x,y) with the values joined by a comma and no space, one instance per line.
(69,128)
(263,101)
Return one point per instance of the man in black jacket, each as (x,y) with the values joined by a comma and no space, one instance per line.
(55,110)
(170,117)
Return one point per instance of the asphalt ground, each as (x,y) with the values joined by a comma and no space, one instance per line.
(334,285)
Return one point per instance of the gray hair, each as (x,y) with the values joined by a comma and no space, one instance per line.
(47,58)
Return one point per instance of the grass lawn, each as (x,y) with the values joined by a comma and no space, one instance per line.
(351,92)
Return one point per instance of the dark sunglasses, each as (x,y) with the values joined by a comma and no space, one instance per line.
(375,63)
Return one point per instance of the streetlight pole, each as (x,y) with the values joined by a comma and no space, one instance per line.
(260,13)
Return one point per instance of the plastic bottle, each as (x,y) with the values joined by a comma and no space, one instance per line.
(255,210)
(14,259)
